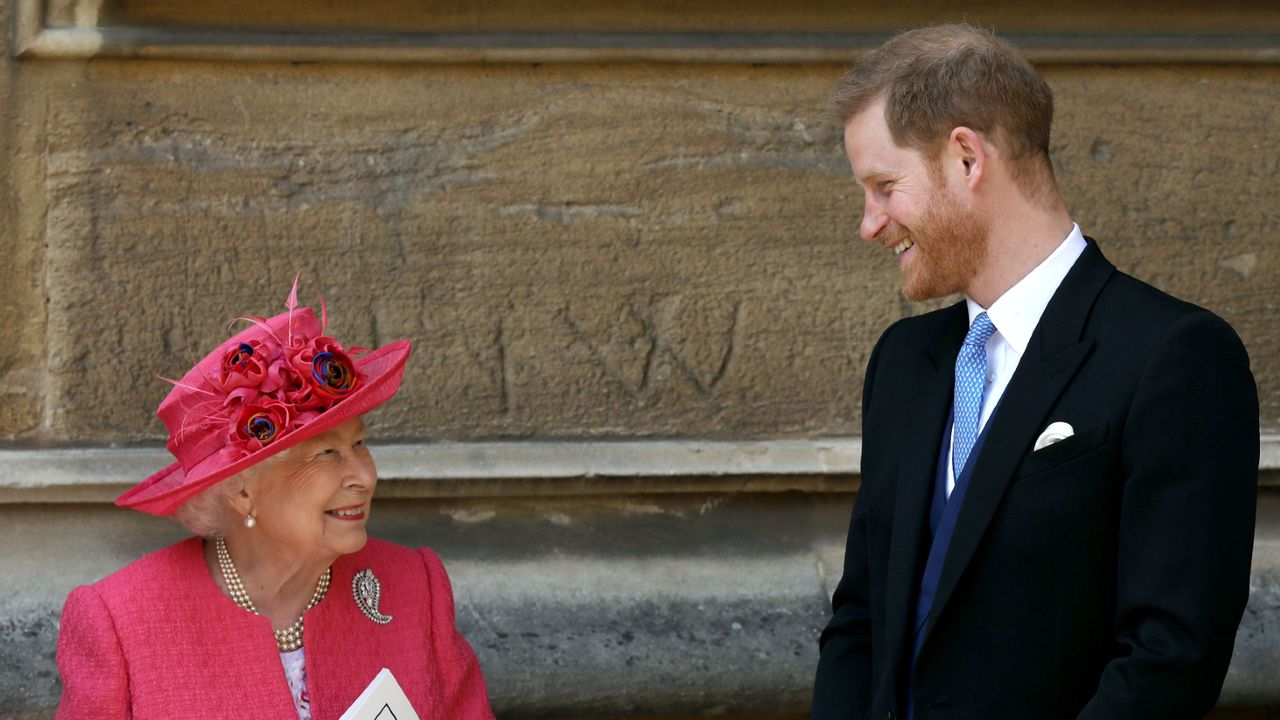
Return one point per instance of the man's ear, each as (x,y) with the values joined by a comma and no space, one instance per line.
(966,153)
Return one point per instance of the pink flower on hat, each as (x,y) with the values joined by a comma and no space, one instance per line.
(259,424)
(246,364)
(324,372)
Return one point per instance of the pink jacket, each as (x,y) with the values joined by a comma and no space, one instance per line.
(159,641)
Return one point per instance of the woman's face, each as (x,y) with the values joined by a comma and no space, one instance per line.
(314,502)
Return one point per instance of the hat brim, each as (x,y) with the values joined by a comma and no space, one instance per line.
(164,491)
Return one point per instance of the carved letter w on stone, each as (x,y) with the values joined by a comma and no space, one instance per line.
(651,338)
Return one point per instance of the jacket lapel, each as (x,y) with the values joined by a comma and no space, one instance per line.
(923,418)
(1056,350)
(344,650)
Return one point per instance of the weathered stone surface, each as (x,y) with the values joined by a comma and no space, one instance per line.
(576,251)
(28,671)
(563,271)
(705,16)
(1255,665)
(21,245)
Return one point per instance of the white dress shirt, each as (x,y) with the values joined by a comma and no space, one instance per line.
(1015,315)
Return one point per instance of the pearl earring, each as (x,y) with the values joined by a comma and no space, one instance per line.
(250,520)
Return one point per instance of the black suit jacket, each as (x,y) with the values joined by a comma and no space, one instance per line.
(1101,577)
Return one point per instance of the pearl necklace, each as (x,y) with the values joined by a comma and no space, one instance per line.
(288,639)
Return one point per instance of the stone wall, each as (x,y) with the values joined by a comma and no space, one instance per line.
(580,251)
(576,251)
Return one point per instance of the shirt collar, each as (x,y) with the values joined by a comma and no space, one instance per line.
(1017,312)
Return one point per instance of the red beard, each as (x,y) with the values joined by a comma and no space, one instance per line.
(949,246)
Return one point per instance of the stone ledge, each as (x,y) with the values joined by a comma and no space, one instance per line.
(606,47)
(486,469)
(518,468)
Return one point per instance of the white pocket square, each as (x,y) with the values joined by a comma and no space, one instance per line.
(1056,432)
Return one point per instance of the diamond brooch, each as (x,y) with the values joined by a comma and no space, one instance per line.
(368,591)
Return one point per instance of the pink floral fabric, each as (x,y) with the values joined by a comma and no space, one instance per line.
(295,673)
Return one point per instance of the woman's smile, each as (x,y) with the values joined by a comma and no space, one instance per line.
(350,513)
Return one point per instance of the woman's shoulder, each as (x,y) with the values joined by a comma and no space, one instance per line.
(394,557)
(162,584)
(388,552)
(170,566)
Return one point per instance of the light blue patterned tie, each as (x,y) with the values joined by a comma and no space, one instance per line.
(971,375)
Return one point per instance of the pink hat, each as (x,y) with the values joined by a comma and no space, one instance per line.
(277,383)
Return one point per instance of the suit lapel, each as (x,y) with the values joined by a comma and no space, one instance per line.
(920,430)
(1054,354)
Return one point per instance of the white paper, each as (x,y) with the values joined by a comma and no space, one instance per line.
(382,700)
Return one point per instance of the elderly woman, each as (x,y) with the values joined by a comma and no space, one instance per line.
(281,606)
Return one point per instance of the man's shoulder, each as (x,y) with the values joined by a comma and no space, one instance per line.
(925,329)
(1134,310)
(1121,294)
(1144,297)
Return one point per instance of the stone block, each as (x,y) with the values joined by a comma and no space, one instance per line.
(580,251)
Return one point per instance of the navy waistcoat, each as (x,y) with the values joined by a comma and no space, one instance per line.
(943,512)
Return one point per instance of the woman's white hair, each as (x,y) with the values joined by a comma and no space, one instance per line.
(211,512)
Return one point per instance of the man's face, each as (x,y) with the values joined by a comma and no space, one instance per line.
(939,239)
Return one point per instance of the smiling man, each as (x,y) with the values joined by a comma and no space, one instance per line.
(1059,472)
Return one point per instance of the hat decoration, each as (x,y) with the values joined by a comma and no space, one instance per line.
(271,386)
(274,384)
